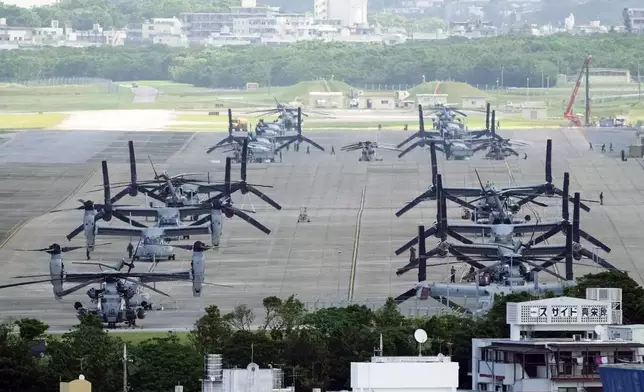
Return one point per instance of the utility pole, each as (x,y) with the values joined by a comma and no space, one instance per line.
(502,70)
(588,94)
(527,91)
(639,82)
(124,367)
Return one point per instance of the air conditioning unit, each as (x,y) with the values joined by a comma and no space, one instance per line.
(576,338)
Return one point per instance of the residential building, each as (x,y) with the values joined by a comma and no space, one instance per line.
(201,25)
(636,16)
(523,363)
(168,31)
(350,12)
(10,35)
(16,37)
(98,36)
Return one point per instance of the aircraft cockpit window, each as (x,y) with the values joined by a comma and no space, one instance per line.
(151,241)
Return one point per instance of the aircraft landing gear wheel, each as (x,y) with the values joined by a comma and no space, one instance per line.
(87,254)
(173,257)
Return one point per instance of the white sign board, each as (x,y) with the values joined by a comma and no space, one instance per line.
(565,314)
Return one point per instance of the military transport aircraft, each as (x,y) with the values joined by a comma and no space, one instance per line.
(112,299)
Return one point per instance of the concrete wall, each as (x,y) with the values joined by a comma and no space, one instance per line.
(377,102)
(259,380)
(323,100)
(534,114)
(473,102)
(394,377)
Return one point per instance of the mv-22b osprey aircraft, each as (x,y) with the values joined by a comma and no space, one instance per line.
(152,239)
(120,298)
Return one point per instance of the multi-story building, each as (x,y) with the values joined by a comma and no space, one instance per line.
(636,16)
(99,36)
(524,363)
(350,12)
(201,25)
(167,31)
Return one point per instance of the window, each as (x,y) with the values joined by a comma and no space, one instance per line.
(483,386)
(385,102)
(567,389)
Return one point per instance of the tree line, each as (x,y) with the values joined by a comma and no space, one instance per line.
(317,347)
(508,60)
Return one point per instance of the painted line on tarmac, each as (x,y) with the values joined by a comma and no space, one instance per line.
(20,225)
(356,244)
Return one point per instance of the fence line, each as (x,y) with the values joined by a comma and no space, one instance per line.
(110,86)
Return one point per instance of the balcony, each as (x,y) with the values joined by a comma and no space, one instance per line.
(574,372)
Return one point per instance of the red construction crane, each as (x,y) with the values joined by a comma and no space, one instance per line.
(574,119)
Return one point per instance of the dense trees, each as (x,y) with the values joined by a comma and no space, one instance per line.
(317,346)
(509,59)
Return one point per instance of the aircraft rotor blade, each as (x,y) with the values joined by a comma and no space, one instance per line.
(428,233)
(410,138)
(146,286)
(424,196)
(311,142)
(127,220)
(75,232)
(288,143)
(78,287)
(411,293)
(250,220)
(6,286)
(546,235)
(262,196)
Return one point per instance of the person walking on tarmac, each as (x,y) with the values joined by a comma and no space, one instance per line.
(590,146)
(130,250)
(412,255)
(604,147)
(610,147)
(332,150)
(525,155)
(452,276)
(308,151)
(601,198)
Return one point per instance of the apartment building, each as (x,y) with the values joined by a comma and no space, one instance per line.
(636,16)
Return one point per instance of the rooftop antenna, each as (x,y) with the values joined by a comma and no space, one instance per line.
(421,337)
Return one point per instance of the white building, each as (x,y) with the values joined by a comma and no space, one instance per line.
(350,12)
(167,31)
(525,364)
(389,374)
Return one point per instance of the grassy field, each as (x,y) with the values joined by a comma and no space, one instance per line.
(31,121)
(179,96)
(16,98)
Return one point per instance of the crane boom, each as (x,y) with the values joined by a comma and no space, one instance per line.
(568,113)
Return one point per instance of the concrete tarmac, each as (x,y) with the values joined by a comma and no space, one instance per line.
(315,260)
